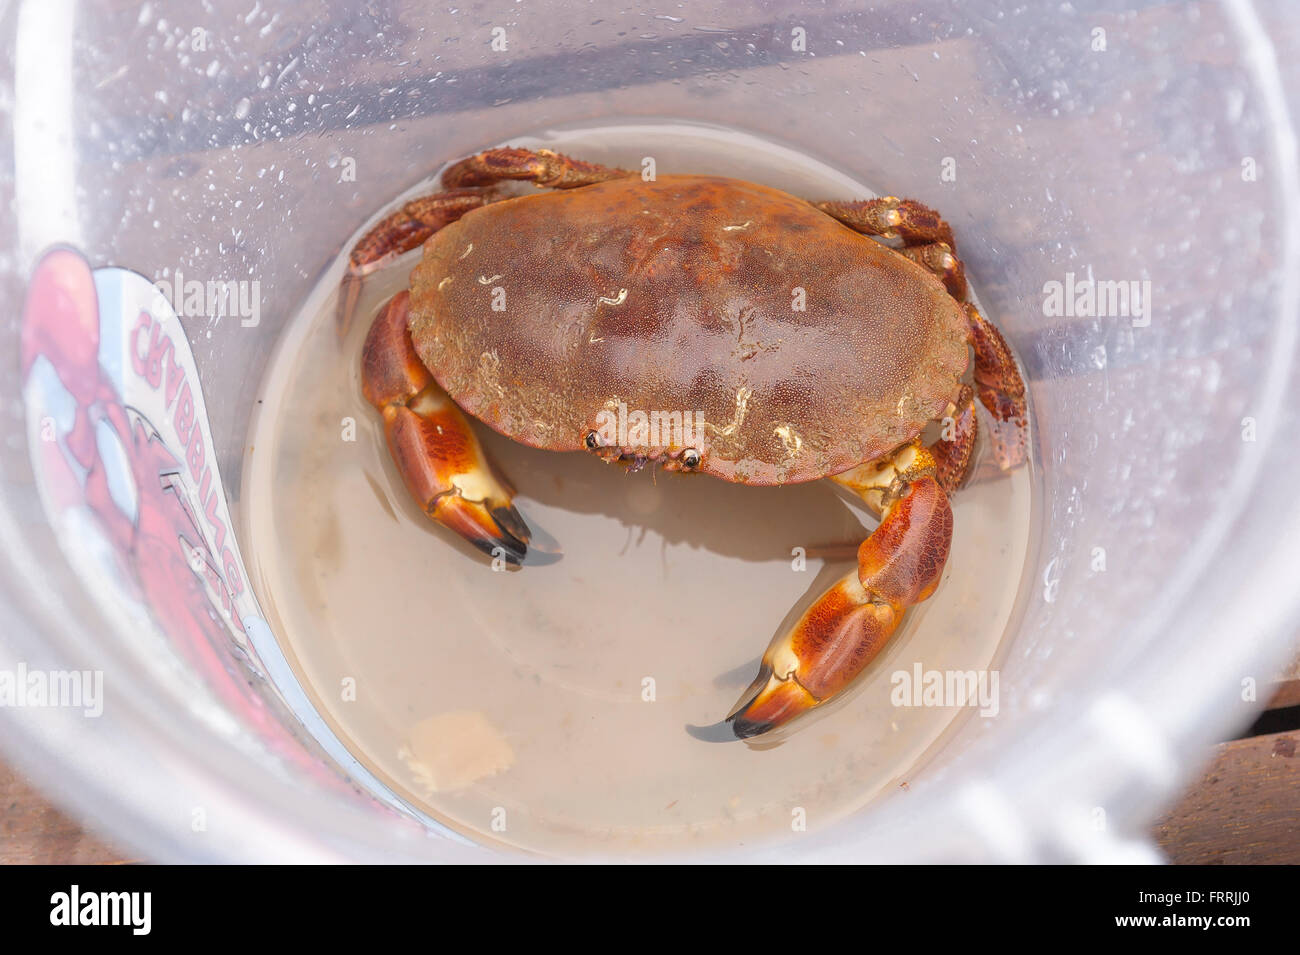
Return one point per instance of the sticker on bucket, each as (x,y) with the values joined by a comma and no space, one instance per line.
(117,428)
(124,464)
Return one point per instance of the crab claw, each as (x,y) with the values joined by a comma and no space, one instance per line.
(833,641)
(768,702)
(433,445)
(846,627)
(495,529)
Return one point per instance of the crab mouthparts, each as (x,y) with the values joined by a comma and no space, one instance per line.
(637,459)
(633,461)
(631,458)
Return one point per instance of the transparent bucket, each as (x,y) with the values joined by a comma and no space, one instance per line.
(1144,143)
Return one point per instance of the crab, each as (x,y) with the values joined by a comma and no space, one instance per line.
(805,340)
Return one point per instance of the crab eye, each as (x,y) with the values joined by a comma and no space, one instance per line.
(690,458)
(592,440)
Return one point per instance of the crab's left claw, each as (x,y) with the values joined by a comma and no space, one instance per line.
(898,565)
(828,647)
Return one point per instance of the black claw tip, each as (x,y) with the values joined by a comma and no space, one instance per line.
(507,546)
(717,733)
(512,525)
(748,729)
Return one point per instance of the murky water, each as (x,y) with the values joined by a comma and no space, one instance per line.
(547,707)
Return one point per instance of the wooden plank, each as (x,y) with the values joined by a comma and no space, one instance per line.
(1285,691)
(34,832)
(1245,809)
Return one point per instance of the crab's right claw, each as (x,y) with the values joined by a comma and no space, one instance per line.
(433,445)
(898,565)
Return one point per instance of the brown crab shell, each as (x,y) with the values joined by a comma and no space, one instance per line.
(682,295)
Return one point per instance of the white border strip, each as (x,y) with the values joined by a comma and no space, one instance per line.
(45,175)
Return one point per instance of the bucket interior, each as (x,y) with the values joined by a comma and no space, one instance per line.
(1145,153)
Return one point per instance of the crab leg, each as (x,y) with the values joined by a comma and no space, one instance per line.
(400,232)
(467,187)
(541,166)
(891,218)
(955,448)
(1001,389)
(435,449)
(899,565)
(938,257)
(997,379)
